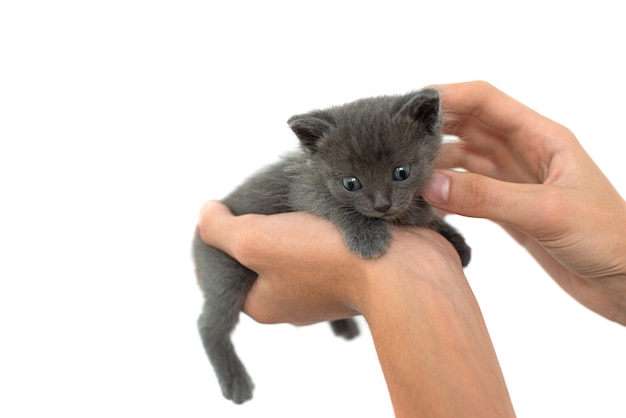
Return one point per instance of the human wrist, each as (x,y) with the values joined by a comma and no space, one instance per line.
(415,258)
(426,324)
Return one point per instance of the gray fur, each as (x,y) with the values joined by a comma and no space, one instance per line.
(371,140)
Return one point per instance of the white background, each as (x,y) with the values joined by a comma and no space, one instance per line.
(118,119)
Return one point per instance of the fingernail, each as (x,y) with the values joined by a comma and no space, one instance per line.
(437,189)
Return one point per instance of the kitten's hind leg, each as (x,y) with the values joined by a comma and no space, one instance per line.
(215,328)
(346,328)
(224,283)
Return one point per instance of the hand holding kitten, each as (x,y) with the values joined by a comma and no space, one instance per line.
(362,166)
(415,299)
(525,172)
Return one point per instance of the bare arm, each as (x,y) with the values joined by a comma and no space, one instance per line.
(525,172)
(431,340)
(429,333)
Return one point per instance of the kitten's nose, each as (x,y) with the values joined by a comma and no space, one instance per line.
(383,206)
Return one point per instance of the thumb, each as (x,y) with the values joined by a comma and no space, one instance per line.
(478,196)
(215,225)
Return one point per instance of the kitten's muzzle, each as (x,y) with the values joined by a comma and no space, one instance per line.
(383,207)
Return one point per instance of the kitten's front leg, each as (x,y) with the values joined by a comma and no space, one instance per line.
(367,237)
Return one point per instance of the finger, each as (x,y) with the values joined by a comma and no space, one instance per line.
(483,151)
(469,194)
(450,156)
(463,155)
(484,102)
(216,225)
(480,106)
(500,165)
(244,237)
(477,135)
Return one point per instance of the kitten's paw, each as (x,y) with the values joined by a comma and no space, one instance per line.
(238,387)
(456,239)
(369,242)
(346,328)
(464,250)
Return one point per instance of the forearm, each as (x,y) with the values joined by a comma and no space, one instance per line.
(432,343)
(429,333)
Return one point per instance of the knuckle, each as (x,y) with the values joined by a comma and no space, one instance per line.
(208,221)
(203,230)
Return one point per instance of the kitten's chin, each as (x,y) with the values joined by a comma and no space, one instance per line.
(391,217)
(388,216)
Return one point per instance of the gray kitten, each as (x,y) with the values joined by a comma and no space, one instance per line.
(362,166)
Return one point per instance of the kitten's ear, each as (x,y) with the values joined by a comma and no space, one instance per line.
(424,107)
(310,127)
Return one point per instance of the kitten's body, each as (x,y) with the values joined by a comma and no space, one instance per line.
(362,166)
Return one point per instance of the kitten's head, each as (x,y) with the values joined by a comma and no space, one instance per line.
(374,155)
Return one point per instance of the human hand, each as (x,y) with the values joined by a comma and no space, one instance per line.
(306,272)
(531,175)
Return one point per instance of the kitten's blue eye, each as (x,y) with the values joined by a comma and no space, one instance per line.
(351,184)
(402,173)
